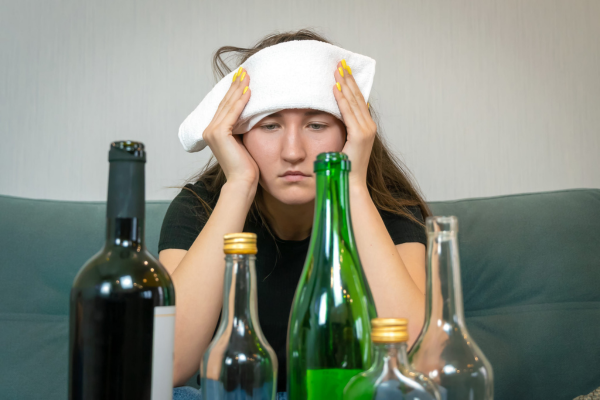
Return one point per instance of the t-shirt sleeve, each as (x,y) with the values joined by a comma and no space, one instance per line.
(184,219)
(403,229)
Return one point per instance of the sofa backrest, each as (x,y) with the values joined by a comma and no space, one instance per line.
(530,271)
(44,244)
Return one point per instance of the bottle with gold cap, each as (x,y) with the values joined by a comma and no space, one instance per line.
(390,377)
(239,364)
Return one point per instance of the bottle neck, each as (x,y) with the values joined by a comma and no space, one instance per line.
(444,306)
(390,356)
(239,295)
(125,206)
(332,226)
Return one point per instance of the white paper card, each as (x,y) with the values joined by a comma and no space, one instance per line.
(162,353)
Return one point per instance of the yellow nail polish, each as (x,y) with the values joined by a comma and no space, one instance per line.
(349,70)
(338,86)
(234,76)
(341,71)
(243,76)
(245,90)
(368,105)
(344,64)
(239,71)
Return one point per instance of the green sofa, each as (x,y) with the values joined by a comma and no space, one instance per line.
(530,273)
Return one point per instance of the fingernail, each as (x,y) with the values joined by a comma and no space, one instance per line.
(234,76)
(338,86)
(341,71)
(239,71)
(243,76)
(245,90)
(368,105)
(346,67)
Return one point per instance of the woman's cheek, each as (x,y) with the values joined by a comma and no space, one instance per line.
(251,141)
(261,150)
(332,141)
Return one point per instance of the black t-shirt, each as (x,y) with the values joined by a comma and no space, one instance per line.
(279,262)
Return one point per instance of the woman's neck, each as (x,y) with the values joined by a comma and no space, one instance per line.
(289,222)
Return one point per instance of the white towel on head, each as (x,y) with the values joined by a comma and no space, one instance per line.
(296,74)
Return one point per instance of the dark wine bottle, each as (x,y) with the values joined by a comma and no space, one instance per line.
(122,316)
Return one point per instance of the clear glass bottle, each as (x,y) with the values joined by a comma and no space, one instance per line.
(239,363)
(445,351)
(329,334)
(390,377)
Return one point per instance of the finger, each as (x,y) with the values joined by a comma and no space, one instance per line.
(349,95)
(236,94)
(235,84)
(231,114)
(351,82)
(350,119)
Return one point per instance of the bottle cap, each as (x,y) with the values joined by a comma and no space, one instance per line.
(240,243)
(330,160)
(389,330)
(127,150)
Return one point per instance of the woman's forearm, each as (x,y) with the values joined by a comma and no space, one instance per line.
(395,293)
(198,280)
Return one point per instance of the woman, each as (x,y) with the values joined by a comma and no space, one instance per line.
(263,182)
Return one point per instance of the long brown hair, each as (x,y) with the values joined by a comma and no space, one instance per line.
(388,180)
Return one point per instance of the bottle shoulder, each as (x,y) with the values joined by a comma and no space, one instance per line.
(381,382)
(113,263)
(455,352)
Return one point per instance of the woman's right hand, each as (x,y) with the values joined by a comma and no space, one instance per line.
(238,165)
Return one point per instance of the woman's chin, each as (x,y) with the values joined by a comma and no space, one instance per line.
(294,195)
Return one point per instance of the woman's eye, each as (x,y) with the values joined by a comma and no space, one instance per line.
(269,127)
(317,127)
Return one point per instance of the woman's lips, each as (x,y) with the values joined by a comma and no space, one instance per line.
(294,176)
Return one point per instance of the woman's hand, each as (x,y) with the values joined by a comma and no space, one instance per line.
(238,165)
(361,128)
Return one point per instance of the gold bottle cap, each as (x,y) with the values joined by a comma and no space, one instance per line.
(240,243)
(389,330)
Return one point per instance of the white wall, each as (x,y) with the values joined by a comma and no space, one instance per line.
(478,97)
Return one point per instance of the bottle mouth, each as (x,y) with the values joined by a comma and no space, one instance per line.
(441,224)
(127,150)
(330,160)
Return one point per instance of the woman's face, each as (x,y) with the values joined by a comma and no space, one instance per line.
(285,145)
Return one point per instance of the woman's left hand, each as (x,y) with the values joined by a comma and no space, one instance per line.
(360,127)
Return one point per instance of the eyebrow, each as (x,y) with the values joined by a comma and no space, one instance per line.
(307,113)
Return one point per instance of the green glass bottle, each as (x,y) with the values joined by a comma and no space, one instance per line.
(329,334)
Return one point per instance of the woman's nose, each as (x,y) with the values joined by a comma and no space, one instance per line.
(292,148)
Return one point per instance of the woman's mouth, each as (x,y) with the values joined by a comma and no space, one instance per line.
(294,176)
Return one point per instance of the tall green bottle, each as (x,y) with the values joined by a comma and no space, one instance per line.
(329,334)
